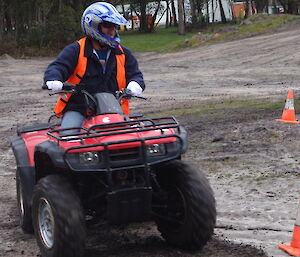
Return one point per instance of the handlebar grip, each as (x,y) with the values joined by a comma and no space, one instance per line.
(66,86)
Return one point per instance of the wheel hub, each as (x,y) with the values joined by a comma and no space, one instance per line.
(46,223)
(21,203)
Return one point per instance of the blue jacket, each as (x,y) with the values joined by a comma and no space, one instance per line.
(95,80)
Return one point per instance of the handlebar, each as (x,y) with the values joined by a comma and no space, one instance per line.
(126,94)
(66,86)
(70,88)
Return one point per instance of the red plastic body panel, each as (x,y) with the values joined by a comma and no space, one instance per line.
(31,139)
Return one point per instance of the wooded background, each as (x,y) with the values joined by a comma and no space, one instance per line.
(51,24)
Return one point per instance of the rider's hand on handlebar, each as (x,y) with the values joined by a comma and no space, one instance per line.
(54,85)
(134,88)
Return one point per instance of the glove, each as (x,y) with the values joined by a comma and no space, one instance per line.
(135,88)
(54,85)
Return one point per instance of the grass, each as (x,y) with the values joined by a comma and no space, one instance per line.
(262,23)
(166,40)
(160,41)
(254,25)
(211,108)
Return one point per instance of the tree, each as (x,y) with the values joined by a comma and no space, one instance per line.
(207,11)
(174,13)
(246,9)
(290,6)
(193,12)
(141,9)
(213,11)
(181,26)
(222,13)
(152,22)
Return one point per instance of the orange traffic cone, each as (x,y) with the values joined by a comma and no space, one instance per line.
(288,114)
(294,248)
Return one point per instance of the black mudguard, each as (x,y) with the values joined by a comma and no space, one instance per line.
(26,172)
(184,137)
(55,153)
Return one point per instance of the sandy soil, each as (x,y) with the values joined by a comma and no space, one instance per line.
(251,161)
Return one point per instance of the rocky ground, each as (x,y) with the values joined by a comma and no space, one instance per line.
(251,160)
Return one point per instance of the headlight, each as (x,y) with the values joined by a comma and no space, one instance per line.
(156,149)
(89,158)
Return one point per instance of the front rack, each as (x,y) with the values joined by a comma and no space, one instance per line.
(139,125)
(117,128)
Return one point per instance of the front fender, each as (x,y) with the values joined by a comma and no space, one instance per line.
(24,170)
(53,151)
(184,137)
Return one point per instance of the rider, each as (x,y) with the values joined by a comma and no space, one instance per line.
(97,60)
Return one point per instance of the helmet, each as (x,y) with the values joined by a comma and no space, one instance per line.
(96,14)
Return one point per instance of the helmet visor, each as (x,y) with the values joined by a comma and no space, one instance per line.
(109,25)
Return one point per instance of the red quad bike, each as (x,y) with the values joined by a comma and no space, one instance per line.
(117,168)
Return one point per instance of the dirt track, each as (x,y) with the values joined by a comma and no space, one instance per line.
(252,161)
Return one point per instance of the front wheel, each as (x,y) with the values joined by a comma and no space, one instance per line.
(184,208)
(58,218)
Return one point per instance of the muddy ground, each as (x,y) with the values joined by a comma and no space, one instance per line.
(251,160)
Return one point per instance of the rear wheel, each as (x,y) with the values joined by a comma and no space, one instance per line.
(58,219)
(185,208)
(23,206)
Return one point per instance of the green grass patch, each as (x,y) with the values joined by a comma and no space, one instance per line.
(254,25)
(261,23)
(162,40)
(213,109)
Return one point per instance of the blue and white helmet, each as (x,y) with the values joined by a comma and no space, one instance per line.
(97,13)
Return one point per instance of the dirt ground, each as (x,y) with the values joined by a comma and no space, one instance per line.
(251,160)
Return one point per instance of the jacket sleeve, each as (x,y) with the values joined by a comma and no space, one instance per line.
(63,66)
(133,72)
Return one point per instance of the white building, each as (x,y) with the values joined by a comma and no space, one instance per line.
(214,7)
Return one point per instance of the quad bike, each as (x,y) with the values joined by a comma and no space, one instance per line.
(115,167)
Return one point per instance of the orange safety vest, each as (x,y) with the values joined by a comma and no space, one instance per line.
(79,72)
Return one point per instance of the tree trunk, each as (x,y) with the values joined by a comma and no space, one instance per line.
(143,18)
(207,11)
(168,15)
(181,27)
(223,17)
(261,5)
(154,17)
(1,17)
(246,9)
(59,5)
(253,7)
(292,7)
(175,22)
(193,12)
(213,11)
(199,5)
(8,23)
(184,14)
